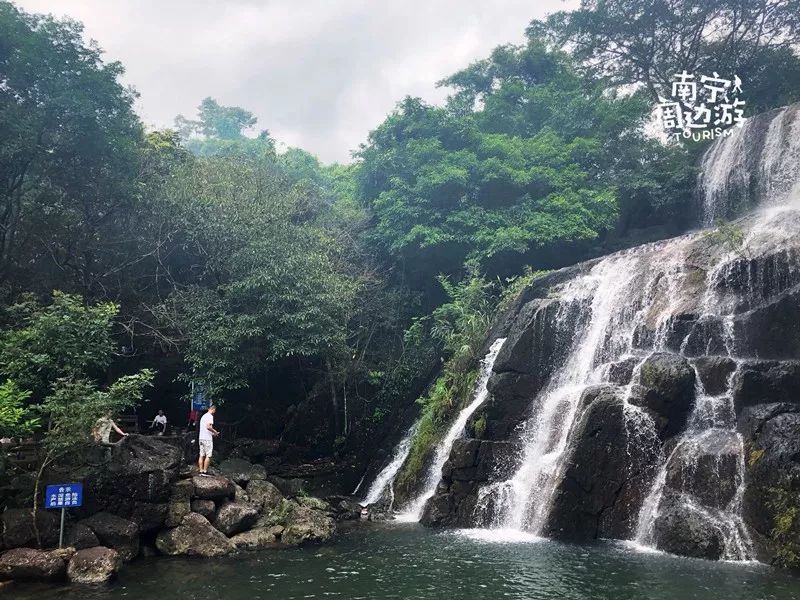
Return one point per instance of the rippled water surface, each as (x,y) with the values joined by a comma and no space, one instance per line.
(408,561)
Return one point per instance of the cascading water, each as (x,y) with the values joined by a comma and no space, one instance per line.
(756,164)
(619,295)
(688,296)
(384,481)
(414,510)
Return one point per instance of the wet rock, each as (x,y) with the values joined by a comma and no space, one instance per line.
(237,470)
(207,508)
(289,487)
(613,462)
(260,537)
(766,382)
(235,517)
(706,466)
(438,511)
(345,508)
(264,495)
(149,516)
(117,533)
(176,510)
(771,331)
(240,494)
(27,563)
(714,372)
(667,389)
(79,536)
(772,462)
(621,372)
(213,487)
(680,529)
(195,536)
(257,473)
(182,490)
(315,503)
(141,468)
(306,526)
(93,565)
(18,529)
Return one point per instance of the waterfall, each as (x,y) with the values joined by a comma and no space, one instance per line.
(385,479)
(619,295)
(711,432)
(414,509)
(756,164)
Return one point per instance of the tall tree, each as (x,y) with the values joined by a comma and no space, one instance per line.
(68,156)
(649,41)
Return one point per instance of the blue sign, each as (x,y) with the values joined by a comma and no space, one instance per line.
(199,400)
(63,495)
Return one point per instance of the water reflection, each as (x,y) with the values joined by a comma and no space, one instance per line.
(408,561)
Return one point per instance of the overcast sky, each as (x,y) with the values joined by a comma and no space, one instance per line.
(319,74)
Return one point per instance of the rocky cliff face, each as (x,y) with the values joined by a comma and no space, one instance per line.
(654,395)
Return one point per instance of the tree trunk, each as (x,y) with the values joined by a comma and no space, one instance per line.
(334,397)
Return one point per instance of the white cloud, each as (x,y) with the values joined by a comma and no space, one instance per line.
(318,74)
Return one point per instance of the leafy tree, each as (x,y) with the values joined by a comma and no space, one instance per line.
(266,283)
(68,153)
(15,417)
(516,169)
(648,41)
(64,339)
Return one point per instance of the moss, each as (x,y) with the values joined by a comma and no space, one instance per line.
(448,395)
(479,426)
(785,533)
(754,457)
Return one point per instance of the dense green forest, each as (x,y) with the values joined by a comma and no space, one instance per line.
(317,301)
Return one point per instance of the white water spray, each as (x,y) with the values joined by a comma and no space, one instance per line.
(414,510)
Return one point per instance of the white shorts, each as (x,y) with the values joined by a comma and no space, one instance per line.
(206,447)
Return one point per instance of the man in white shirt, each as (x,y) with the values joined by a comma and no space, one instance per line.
(207,435)
(160,423)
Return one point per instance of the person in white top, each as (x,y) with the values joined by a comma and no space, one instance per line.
(207,435)
(160,423)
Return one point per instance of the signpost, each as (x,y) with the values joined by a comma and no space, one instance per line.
(199,400)
(63,496)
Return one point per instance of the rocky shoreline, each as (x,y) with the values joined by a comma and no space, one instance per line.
(147,500)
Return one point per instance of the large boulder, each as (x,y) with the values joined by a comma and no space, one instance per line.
(715,372)
(236,469)
(613,462)
(27,563)
(207,508)
(706,466)
(667,389)
(149,516)
(115,532)
(306,525)
(142,468)
(235,517)
(18,528)
(80,537)
(195,536)
(772,460)
(176,510)
(766,382)
(213,488)
(257,538)
(681,529)
(93,565)
(264,495)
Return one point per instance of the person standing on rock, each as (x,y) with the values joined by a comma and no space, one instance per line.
(207,435)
